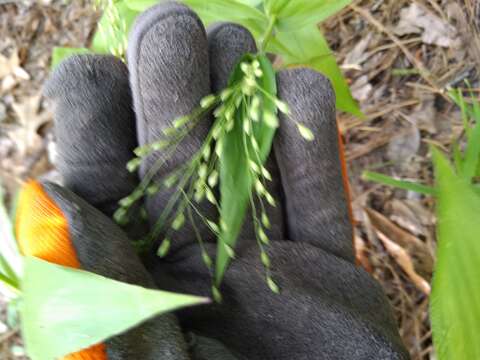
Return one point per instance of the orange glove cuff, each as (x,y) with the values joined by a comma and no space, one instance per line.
(42,231)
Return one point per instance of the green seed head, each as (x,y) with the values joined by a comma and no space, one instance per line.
(207,260)
(225,94)
(246,126)
(152,189)
(270,119)
(169,131)
(182,121)
(208,101)
(210,196)
(266,174)
(178,222)
(199,194)
(164,248)
(265,259)
(142,151)
(134,164)
(121,216)
(159,145)
(270,199)
(213,226)
(262,236)
(254,166)
(306,133)
(265,220)
(206,153)
(259,187)
(170,181)
(230,252)
(213,178)
(272,285)
(219,147)
(282,106)
(202,171)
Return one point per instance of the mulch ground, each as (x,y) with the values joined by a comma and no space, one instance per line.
(400,58)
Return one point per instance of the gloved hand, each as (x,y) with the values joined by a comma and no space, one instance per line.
(328,308)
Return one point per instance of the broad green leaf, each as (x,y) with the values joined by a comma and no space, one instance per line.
(61,53)
(308,47)
(10,258)
(455,299)
(274,7)
(297,14)
(141,5)
(113,28)
(65,310)
(235,181)
(401,184)
(457,156)
(253,3)
(226,10)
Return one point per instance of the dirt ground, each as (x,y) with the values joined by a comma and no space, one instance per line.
(400,58)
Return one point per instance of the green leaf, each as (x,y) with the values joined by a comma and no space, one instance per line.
(61,53)
(235,182)
(472,153)
(308,47)
(455,314)
(113,27)
(141,5)
(10,258)
(401,184)
(226,10)
(306,133)
(297,14)
(65,310)
(253,3)
(274,7)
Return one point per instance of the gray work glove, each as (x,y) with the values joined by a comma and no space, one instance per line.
(328,308)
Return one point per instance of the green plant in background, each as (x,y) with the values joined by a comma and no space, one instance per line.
(292,26)
(32,287)
(455,298)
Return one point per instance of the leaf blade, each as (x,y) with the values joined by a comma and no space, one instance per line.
(401,184)
(298,14)
(455,295)
(81,310)
(309,48)
(235,181)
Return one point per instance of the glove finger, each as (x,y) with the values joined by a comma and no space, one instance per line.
(169,66)
(56,225)
(94,128)
(311,171)
(227,43)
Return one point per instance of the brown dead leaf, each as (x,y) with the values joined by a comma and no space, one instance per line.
(434,30)
(30,119)
(402,148)
(411,215)
(422,258)
(361,253)
(11,72)
(358,55)
(403,259)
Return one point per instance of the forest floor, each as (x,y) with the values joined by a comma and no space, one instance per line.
(400,58)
